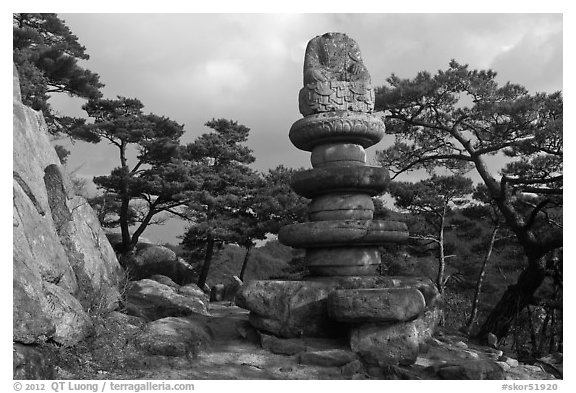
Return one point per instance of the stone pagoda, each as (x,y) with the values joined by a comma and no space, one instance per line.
(385,318)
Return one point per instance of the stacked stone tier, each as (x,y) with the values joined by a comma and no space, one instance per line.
(367,180)
(341,238)
(343,247)
(342,233)
(364,129)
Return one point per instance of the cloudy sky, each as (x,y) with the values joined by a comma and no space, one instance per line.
(248,67)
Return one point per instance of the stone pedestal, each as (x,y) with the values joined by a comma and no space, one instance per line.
(386,318)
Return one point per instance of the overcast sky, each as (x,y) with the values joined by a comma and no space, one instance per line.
(248,67)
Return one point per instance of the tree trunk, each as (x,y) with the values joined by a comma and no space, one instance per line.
(144,224)
(543,334)
(441,256)
(124,226)
(245,263)
(514,299)
(474,310)
(533,339)
(125,204)
(207,261)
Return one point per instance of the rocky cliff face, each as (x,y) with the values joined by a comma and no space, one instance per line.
(64,267)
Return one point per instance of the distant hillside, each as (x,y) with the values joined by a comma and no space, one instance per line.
(265,262)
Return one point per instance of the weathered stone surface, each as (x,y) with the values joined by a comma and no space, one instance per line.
(338,154)
(427,323)
(471,369)
(386,344)
(509,361)
(164,280)
(152,259)
(282,346)
(300,308)
(92,258)
(341,261)
(341,207)
(174,336)
(288,308)
(334,56)
(327,358)
(423,284)
(30,323)
(151,300)
(352,368)
(342,126)
(328,96)
(36,241)
(369,180)
(60,255)
(71,322)
(194,291)
(375,305)
(335,77)
(29,363)
(338,233)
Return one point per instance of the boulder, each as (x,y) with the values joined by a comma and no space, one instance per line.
(231,288)
(29,363)
(386,344)
(151,300)
(288,308)
(194,291)
(375,304)
(151,259)
(300,308)
(509,361)
(174,336)
(164,280)
(423,284)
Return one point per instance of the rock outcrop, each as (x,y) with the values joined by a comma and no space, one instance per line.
(63,266)
(152,300)
(151,259)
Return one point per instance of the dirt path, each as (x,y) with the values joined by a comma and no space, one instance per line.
(231,357)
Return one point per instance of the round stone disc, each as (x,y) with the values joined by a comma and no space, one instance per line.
(371,180)
(337,127)
(338,154)
(342,233)
(341,207)
(375,305)
(343,261)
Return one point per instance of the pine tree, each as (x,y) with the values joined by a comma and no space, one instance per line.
(460,118)
(220,210)
(160,180)
(46,55)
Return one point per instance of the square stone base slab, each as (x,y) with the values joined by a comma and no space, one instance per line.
(300,308)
